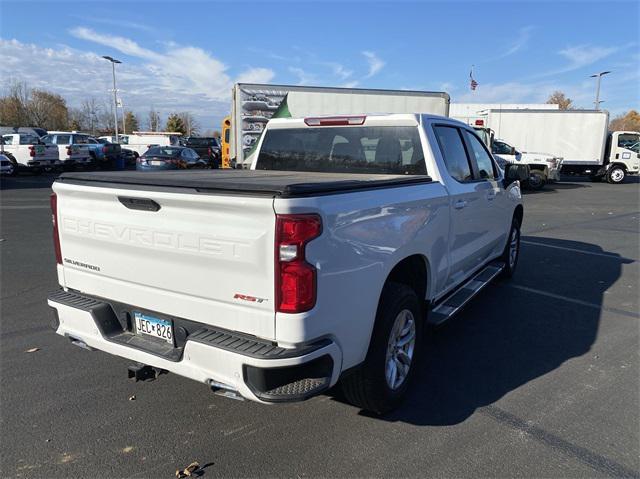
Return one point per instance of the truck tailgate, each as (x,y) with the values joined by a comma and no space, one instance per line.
(198,257)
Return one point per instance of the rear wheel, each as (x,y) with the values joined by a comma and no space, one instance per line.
(381,382)
(616,175)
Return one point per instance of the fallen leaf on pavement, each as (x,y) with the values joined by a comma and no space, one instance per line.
(188,471)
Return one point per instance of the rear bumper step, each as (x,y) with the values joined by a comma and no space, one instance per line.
(257,369)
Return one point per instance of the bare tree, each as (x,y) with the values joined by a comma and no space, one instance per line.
(191,125)
(560,99)
(13,105)
(629,121)
(153,120)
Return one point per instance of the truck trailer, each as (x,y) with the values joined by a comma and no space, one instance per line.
(580,138)
(253,105)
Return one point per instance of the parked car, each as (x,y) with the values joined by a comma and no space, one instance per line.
(207,148)
(371,246)
(169,158)
(103,153)
(6,165)
(39,132)
(140,141)
(73,147)
(129,156)
(28,152)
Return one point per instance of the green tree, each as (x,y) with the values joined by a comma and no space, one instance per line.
(560,99)
(176,124)
(131,122)
(629,121)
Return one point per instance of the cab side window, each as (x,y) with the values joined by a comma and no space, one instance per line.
(486,169)
(454,152)
(500,148)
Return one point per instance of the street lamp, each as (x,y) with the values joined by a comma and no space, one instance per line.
(115,93)
(599,77)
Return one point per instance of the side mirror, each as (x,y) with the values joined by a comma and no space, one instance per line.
(515,172)
(513,151)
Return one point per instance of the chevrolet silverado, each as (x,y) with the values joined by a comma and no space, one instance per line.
(323,263)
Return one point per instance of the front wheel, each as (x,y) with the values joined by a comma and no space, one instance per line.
(511,250)
(536,181)
(616,175)
(381,382)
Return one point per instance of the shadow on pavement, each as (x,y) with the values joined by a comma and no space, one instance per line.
(25,181)
(510,335)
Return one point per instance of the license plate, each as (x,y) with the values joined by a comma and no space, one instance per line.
(156,162)
(156,327)
(39,149)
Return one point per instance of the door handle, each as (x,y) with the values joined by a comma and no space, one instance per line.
(460,204)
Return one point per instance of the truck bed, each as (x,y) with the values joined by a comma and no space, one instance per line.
(283,184)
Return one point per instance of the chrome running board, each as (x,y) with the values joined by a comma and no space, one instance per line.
(453,303)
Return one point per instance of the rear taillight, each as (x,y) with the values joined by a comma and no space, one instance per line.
(209,152)
(56,235)
(295,278)
(32,151)
(335,121)
(104,150)
(68,150)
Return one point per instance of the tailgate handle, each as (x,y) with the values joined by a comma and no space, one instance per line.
(144,204)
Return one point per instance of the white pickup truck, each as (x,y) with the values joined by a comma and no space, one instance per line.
(324,262)
(544,167)
(29,153)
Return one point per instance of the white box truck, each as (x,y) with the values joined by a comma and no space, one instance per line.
(578,137)
(253,105)
(473,113)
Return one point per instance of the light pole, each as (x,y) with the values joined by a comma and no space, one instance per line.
(115,93)
(599,77)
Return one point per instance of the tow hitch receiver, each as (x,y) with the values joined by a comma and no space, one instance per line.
(142,372)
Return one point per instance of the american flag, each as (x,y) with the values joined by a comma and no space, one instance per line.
(472,83)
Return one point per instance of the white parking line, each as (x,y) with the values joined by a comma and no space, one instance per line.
(576,250)
(599,307)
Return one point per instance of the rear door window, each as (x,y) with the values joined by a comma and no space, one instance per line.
(62,139)
(454,152)
(391,150)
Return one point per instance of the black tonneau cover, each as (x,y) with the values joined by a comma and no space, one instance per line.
(261,182)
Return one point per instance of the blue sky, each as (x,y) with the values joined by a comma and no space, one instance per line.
(181,56)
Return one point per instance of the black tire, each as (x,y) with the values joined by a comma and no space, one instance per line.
(367,387)
(536,181)
(511,264)
(616,175)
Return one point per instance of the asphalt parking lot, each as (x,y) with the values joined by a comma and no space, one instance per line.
(538,377)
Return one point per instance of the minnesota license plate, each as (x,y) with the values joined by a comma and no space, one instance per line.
(155,327)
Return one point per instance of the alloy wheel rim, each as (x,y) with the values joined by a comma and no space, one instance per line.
(617,175)
(400,349)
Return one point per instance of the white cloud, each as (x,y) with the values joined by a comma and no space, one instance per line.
(124,45)
(304,77)
(339,70)
(179,78)
(350,84)
(375,63)
(583,55)
(256,75)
